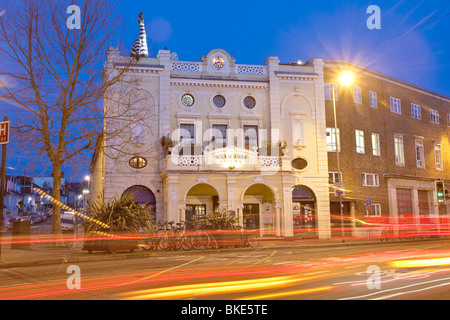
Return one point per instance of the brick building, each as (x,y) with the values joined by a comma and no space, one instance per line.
(394,145)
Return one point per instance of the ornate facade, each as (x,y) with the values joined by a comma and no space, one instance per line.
(216,135)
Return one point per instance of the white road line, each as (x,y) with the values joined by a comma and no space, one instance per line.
(394,289)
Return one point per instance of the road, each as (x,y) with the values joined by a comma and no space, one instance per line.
(397,270)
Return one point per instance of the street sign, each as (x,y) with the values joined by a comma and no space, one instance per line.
(368,202)
(4,132)
(339,190)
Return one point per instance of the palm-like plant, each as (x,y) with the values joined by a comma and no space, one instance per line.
(122,214)
(222,220)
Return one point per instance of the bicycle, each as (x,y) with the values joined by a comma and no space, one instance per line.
(386,234)
(249,239)
(168,236)
(198,239)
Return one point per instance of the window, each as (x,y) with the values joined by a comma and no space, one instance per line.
(357,97)
(331,140)
(219,135)
(373,99)
(420,158)
(334,177)
(438,157)
(196,213)
(399,152)
(376,150)
(434,116)
(396,106)
(448,119)
(415,111)
(328,91)
(424,208)
(359,141)
(375,210)
(187,138)
(249,102)
(187,100)
(404,202)
(370,180)
(250,137)
(299,163)
(138,132)
(219,101)
(138,162)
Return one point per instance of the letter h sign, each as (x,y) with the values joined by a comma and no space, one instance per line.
(4,132)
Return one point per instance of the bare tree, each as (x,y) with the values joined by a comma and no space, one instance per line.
(54,77)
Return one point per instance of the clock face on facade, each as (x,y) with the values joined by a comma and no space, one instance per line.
(218,62)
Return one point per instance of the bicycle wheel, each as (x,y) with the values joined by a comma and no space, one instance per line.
(252,241)
(187,242)
(164,241)
(200,240)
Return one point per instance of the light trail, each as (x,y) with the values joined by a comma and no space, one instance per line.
(288,293)
(215,288)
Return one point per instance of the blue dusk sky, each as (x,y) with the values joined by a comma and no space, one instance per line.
(412,43)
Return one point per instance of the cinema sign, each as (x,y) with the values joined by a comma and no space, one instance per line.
(231,157)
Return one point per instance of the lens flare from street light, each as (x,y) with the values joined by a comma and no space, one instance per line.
(346,78)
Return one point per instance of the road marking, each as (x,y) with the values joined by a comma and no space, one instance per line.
(164,271)
(393,289)
(412,291)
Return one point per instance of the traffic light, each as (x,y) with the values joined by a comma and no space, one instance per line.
(440,192)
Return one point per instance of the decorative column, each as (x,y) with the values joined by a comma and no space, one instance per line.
(231,183)
(164,99)
(172,198)
(287,221)
(272,64)
(278,215)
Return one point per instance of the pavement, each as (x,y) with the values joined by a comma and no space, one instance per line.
(42,251)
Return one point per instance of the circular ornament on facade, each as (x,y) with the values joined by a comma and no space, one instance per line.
(219,101)
(218,62)
(187,100)
(138,162)
(249,102)
(299,163)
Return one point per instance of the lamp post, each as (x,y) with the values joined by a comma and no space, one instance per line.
(86,192)
(346,78)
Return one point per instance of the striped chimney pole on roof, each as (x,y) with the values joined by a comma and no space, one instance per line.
(143,52)
(140,48)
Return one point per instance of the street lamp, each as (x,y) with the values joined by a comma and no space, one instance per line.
(345,78)
(88,179)
(85,193)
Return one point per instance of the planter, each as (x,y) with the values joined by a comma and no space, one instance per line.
(113,244)
(227,238)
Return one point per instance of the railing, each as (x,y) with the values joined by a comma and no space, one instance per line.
(187,66)
(250,70)
(199,162)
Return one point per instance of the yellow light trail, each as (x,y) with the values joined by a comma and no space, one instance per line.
(214,288)
(420,263)
(287,293)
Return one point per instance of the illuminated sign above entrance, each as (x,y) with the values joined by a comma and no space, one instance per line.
(231,157)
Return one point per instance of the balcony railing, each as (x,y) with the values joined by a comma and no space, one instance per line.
(224,159)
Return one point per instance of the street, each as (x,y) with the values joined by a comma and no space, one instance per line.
(397,270)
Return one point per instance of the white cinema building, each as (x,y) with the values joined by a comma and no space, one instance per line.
(225,122)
